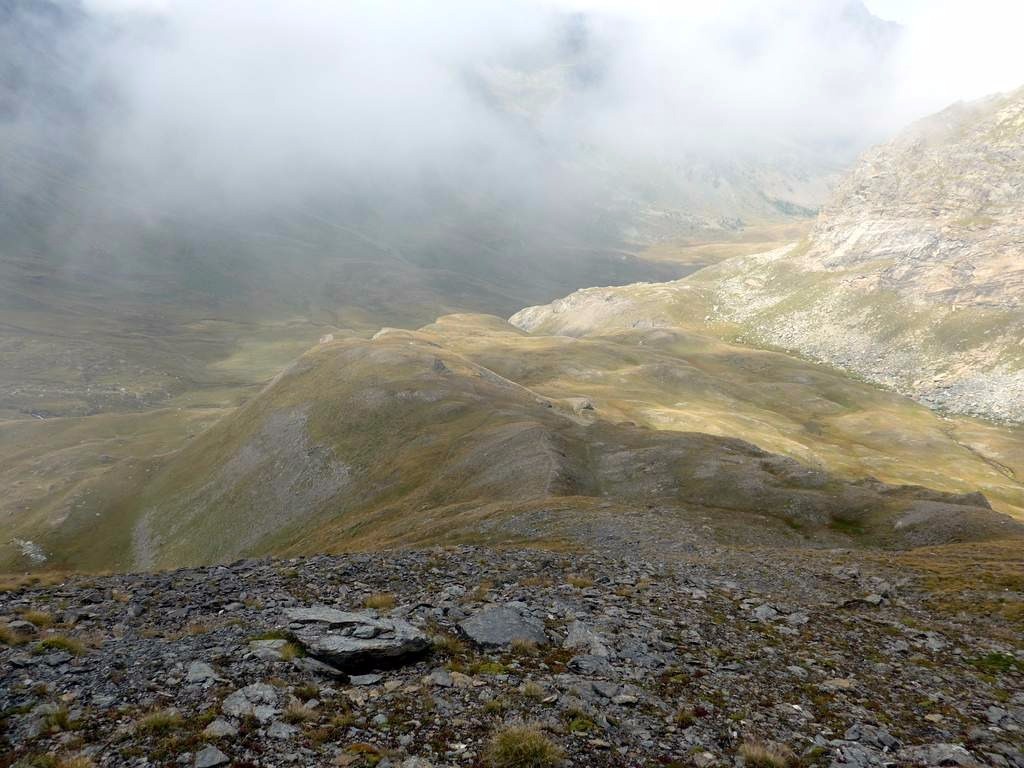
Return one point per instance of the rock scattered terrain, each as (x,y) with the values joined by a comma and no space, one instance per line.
(616,660)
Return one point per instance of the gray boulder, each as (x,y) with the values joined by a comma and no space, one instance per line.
(355,641)
(502,626)
(938,755)
(220,729)
(582,637)
(200,672)
(211,757)
(256,699)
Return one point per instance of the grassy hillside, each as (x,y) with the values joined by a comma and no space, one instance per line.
(473,430)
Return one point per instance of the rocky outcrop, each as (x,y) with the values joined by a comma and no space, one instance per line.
(502,626)
(913,276)
(354,641)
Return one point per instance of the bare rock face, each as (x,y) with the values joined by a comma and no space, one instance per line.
(501,626)
(355,641)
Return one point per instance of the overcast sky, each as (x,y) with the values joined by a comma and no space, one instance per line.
(249,95)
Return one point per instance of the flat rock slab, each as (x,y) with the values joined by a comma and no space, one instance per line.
(501,626)
(211,757)
(355,641)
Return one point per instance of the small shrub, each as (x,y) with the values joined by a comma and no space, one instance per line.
(581,724)
(61,643)
(522,747)
(159,722)
(382,601)
(489,668)
(766,754)
(997,663)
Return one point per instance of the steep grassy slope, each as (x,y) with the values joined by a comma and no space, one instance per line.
(420,437)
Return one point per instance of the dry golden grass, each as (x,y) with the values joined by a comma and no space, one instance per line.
(9,637)
(533,690)
(522,647)
(296,713)
(159,722)
(9,582)
(41,619)
(448,645)
(580,582)
(984,579)
(766,754)
(62,643)
(522,746)
(380,601)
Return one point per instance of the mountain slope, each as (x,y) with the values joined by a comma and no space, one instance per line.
(913,276)
(471,430)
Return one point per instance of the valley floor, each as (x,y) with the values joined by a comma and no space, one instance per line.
(720,658)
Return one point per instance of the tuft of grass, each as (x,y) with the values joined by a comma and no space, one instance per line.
(58,721)
(159,722)
(41,619)
(685,717)
(536,581)
(522,647)
(296,713)
(479,593)
(382,601)
(61,643)
(291,651)
(307,691)
(448,645)
(495,706)
(766,754)
(488,668)
(522,746)
(13,582)
(9,637)
(532,690)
